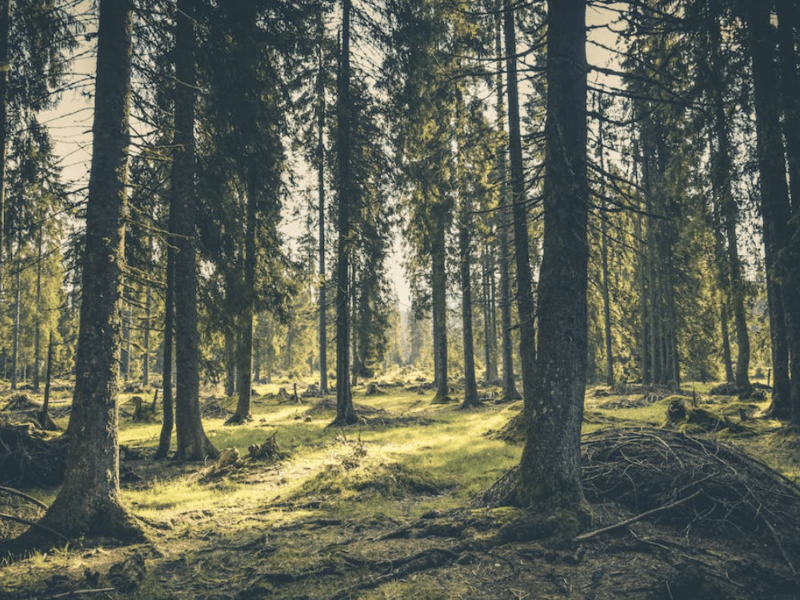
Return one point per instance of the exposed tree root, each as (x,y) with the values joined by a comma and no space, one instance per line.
(427,559)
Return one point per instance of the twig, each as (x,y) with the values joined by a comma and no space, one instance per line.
(14,492)
(778,542)
(84,592)
(639,517)
(33,524)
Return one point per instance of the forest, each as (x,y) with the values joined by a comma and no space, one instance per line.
(399,299)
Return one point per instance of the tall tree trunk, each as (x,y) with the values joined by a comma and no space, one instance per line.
(345,413)
(37,319)
(606,299)
(354,324)
(5,68)
(244,355)
(775,208)
(148,304)
(125,362)
(230,360)
(44,416)
(550,474)
(167,400)
(89,501)
(439,308)
(728,209)
(323,301)
(742,373)
(726,342)
(15,333)
(525,301)
(788,25)
(604,260)
(509,389)
(490,373)
(644,311)
(464,234)
(192,443)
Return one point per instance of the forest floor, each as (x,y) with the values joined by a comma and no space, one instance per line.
(390,508)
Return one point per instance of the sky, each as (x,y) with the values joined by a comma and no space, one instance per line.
(70,122)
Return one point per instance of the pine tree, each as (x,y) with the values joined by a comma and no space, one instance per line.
(89,501)
(192,443)
(550,465)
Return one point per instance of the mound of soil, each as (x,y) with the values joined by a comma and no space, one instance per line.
(28,458)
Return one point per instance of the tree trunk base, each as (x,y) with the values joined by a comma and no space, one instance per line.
(74,520)
(239,419)
(442,399)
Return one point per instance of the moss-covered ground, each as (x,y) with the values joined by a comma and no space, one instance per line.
(383,509)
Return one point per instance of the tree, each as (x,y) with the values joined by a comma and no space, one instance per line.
(775,204)
(722,175)
(550,476)
(509,388)
(89,501)
(5,68)
(524,277)
(345,413)
(191,438)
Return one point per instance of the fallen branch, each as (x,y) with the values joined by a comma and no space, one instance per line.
(30,499)
(33,524)
(590,534)
(86,592)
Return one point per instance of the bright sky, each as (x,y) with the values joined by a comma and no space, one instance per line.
(71,122)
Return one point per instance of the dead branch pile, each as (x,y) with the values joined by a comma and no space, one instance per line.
(268,449)
(21,403)
(28,459)
(682,481)
(643,469)
(212,409)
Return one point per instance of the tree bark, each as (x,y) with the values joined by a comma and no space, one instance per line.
(15,332)
(604,263)
(788,24)
(439,308)
(728,209)
(550,475)
(509,389)
(345,413)
(775,207)
(148,304)
(230,355)
(525,300)
(167,400)
(37,321)
(89,501)
(5,67)
(464,233)
(192,443)
(44,417)
(726,342)
(244,353)
(323,301)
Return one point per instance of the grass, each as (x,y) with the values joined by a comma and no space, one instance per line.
(405,459)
